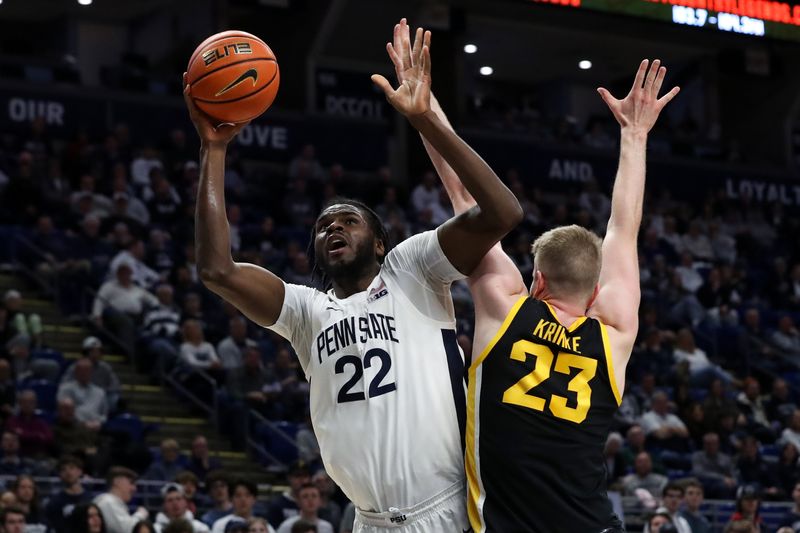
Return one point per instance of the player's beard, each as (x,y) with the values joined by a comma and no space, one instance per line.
(362,263)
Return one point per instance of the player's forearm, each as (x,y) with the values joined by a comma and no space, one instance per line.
(498,206)
(212,233)
(628,196)
(459,196)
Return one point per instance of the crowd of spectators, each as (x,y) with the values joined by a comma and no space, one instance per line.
(528,117)
(711,391)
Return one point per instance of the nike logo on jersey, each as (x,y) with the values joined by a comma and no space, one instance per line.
(249,73)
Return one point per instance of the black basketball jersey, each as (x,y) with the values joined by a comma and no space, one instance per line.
(541,399)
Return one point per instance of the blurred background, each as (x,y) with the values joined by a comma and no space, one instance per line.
(98,172)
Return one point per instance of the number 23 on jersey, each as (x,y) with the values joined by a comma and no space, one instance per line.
(520,392)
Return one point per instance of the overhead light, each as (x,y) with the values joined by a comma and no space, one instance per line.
(85,2)
(584,64)
(468,48)
(486,71)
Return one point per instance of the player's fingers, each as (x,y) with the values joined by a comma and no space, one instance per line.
(416,50)
(662,72)
(394,56)
(426,61)
(187,95)
(383,83)
(427,40)
(651,75)
(185,76)
(405,48)
(605,95)
(397,38)
(639,80)
(667,98)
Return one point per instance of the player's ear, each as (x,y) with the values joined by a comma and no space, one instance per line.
(380,248)
(538,286)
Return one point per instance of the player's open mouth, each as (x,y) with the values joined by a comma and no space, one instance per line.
(336,245)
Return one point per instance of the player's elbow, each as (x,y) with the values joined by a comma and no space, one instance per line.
(213,277)
(509,218)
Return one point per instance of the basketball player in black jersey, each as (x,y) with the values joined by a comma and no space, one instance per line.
(549,362)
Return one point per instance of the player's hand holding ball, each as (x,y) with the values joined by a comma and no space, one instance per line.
(232,78)
(413,96)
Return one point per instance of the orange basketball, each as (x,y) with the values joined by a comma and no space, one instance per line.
(234,76)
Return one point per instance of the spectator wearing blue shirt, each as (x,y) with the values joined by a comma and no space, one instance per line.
(170,464)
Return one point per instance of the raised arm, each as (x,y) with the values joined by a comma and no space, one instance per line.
(617,303)
(400,51)
(255,291)
(497,210)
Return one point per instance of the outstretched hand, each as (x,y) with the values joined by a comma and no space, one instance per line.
(413,69)
(210,131)
(639,110)
(401,51)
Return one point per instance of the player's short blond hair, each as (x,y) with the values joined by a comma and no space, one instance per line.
(569,257)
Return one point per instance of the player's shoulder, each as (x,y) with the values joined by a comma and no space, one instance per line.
(413,245)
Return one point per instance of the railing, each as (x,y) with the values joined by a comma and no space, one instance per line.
(173,379)
(717,512)
(257,447)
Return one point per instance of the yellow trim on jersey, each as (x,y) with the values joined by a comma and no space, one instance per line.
(500,332)
(573,326)
(470,460)
(474,493)
(612,377)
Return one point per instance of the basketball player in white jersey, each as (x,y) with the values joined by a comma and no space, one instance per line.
(379,348)
(498,291)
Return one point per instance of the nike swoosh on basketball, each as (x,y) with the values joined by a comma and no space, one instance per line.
(249,73)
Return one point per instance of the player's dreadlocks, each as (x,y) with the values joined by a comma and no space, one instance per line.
(374,222)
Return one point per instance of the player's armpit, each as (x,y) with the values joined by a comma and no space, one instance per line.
(255,291)
(466,238)
(496,276)
(617,303)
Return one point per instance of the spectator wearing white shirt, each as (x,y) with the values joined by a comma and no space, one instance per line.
(195,351)
(643,477)
(133,255)
(792,433)
(244,499)
(175,508)
(714,468)
(142,166)
(119,303)
(663,427)
(671,236)
(697,244)
(309,502)
(701,371)
(787,338)
(91,404)
(671,500)
(200,355)
(114,503)
(231,349)
(690,278)
(426,193)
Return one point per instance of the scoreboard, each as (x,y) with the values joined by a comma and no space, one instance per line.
(758,18)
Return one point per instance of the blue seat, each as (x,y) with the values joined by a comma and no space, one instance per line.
(48,354)
(283,449)
(127,423)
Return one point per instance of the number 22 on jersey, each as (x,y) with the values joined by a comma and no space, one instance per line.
(518,393)
(376,386)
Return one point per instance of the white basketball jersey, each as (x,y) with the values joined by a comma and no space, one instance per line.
(386,378)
